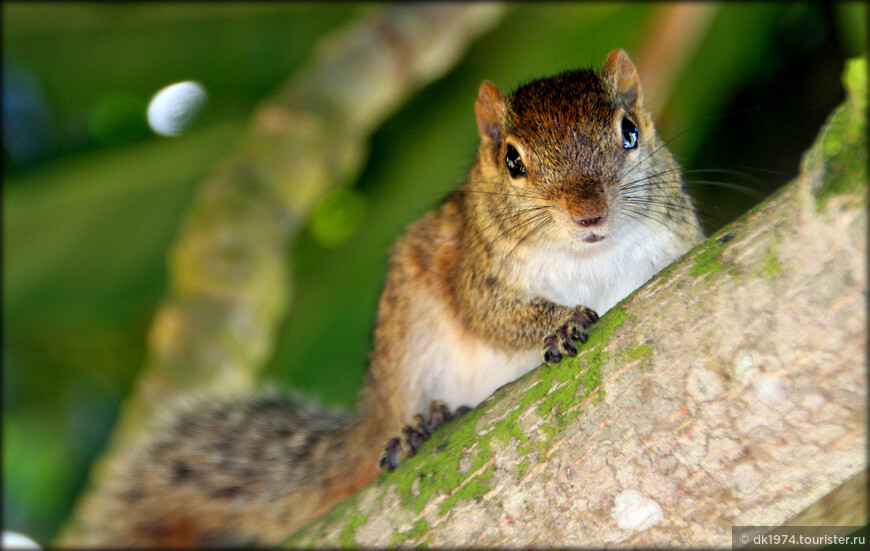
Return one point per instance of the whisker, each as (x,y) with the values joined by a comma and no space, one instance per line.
(736,187)
(737,170)
(644,204)
(509,230)
(657,199)
(649,181)
(545,220)
(645,213)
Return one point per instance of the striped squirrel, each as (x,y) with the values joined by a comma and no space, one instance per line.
(571,203)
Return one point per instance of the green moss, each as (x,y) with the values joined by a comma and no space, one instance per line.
(707,260)
(419,478)
(771,267)
(592,378)
(701,252)
(844,138)
(665,273)
(558,406)
(598,396)
(523,467)
(306,537)
(417,531)
(512,430)
(535,393)
(559,399)
(348,532)
(473,489)
(509,429)
(438,473)
(640,352)
(302,539)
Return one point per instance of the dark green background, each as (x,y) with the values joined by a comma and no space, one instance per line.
(89,215)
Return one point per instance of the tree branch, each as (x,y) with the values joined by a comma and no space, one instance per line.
(729,390)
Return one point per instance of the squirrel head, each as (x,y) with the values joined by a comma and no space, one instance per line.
(570,140)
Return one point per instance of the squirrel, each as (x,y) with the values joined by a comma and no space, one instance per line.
(572,202)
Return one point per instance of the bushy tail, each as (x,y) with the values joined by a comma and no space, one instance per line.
(228,472)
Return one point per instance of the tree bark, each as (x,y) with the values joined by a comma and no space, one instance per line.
(729,390)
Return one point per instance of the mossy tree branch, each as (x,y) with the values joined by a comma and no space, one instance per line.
(729,390)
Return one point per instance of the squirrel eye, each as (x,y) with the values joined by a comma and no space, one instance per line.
(514,162)
(629,134)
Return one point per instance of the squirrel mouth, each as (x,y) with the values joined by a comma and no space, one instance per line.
(593,238)
(591,224)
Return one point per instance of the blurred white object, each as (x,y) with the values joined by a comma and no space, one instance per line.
(14,540)
(173,108)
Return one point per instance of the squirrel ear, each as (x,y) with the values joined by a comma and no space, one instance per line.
(490,111)
(622,74)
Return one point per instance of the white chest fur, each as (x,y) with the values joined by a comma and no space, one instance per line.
(600,274)
(463,370)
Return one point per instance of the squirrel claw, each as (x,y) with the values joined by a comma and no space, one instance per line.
(390,457)
(413,436)
(561,342)
(551,350)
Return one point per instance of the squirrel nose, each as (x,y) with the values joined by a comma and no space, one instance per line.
(591,221)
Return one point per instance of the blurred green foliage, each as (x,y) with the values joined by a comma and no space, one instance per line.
(89,217)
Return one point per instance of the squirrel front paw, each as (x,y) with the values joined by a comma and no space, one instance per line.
(561,342)
(413,436)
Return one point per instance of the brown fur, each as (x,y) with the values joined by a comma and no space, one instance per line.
(458,317)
